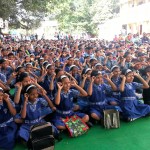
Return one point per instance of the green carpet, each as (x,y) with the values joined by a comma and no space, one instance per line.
(130,136)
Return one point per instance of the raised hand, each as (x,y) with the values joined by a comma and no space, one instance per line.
(93,78)
(111,75)
(136,74)
(106,77)
(122,76)
(84,76)
(6,97)
(14,74)
(59,85)
(26,97)
(73,83)
(34,81)
(42,92)
(18,85)
(53,76)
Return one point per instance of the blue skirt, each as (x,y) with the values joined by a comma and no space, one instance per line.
(57,118)
(98,109)
(133,109)
(24,131)
(8,136)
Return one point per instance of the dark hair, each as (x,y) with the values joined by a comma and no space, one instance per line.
(18,68)
(2,60)
(10,54)
(29,88)
(22,76)
(58,70)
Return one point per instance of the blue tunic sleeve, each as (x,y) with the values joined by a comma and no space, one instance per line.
(75,93)
(107,88)
(137,85)
(43,102)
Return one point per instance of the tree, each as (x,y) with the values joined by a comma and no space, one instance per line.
(85,15)
(26,14)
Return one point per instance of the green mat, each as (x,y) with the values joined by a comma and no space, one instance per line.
(130,136)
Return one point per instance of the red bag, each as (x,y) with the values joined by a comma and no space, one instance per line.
(75,126)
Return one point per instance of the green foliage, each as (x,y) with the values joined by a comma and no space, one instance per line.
(26,14)
(72,15)
(85,15)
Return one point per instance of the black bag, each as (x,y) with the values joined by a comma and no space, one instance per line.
(41,137)
(111,119)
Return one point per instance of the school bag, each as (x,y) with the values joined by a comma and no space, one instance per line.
(41,137)
(75,126)
(111,118)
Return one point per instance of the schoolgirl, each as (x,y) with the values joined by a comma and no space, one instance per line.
(64,101)
(8,127)
(131,107)
(31,111)
(83,102)
(97,91)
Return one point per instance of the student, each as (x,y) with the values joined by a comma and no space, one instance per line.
(146,92)
(74,72)
(64,102)
(131,107)
(68,63)
(116,79)
(8,127)
(109,61)
(48,81)
(5,68)
(31,110)
(97,94)
(83,102)
(23,81)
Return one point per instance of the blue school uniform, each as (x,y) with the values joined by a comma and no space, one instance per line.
(131,107)
(116,94)
(63,59)
(101,59)
(127,65)
(78,79)
(111,63)
(45,84)
(83,102)
(67,68)
(65,108)
(8,127)
(33,116)
(3,78)
(7,72)
(98,100)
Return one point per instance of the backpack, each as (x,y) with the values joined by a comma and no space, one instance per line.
(41,137)
(111,119)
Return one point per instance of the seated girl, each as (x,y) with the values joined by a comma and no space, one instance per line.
(131,108)
(8,127)
(32,109)
(97,91)
(64,102)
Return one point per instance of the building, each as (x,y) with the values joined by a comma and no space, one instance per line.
(48,29)
(135,15)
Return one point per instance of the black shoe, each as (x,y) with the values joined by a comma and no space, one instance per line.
(89,124)
(58,138)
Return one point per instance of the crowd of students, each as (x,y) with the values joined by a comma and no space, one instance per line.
(48,80)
